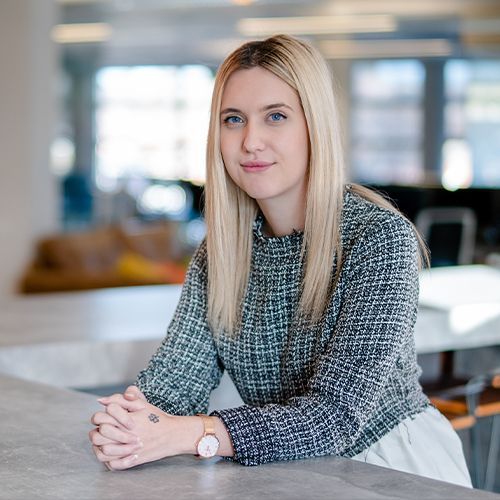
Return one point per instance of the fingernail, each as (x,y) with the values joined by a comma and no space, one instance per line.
(101,400)
(129,394)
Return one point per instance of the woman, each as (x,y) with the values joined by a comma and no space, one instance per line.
(305,290)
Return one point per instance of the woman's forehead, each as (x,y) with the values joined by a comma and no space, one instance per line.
(257,86)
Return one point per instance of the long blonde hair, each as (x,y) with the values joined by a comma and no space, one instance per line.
(230,212)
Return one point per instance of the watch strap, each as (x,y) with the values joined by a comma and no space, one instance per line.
(208,424)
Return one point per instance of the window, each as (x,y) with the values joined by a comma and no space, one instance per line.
(387,122)
(471,150)
(151,123)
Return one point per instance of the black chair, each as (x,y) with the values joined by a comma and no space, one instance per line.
(468,405)
(450,234)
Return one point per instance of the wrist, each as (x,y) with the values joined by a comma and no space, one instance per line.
(189,431)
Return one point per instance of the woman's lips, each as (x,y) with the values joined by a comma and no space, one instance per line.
(256,166)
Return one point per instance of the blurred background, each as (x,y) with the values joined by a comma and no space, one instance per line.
(104,108)
(104,111)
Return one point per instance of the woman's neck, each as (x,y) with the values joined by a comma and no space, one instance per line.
(280,221)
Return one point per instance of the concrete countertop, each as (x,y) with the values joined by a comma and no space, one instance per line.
(84,339)
(45,454)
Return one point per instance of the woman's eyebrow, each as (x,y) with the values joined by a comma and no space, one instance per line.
(265,108)
(230,110)
(276,105)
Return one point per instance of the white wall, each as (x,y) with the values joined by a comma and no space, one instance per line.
(28,201)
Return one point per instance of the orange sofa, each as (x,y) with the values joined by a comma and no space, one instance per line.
(128,254)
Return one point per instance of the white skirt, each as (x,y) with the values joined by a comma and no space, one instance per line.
(426,445)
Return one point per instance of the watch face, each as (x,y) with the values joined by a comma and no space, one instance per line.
(208,446)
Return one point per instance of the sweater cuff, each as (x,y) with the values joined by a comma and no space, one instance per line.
(252,441)
(168,406)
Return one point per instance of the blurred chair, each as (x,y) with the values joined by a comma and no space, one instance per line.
(77,201)
(456,412)
(487,404)
(465,406)
(450,234)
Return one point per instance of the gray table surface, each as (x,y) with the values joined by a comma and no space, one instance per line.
(45,453)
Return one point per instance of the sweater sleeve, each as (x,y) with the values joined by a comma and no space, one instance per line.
(377,315)
(185,368)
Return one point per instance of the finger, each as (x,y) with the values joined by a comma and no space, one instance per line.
(120,450)
(102,417)
(98,439)
(115,434)
(106,464)
(120,415)
(101,456)
(132,392)
(134,405)
(124,463)
(105,400)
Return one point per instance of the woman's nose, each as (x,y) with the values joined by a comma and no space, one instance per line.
(253,139)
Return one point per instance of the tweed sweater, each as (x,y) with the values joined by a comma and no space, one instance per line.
(330,388)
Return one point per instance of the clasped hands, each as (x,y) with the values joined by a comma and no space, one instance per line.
(130,431)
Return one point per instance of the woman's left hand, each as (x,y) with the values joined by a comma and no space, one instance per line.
(137,437)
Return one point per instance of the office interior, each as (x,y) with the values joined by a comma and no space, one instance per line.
(103,117)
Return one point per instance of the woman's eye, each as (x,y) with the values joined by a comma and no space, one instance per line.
(277,117)
(233,120)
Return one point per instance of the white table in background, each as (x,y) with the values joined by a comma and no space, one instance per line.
(104,337)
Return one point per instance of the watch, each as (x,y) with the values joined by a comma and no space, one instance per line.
(208,445)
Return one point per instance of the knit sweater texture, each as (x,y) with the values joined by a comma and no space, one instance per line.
(334,387)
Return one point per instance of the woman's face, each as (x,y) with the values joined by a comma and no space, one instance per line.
(264,139)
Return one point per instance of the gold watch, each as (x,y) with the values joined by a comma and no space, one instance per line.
(208,445)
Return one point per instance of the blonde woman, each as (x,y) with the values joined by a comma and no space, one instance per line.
(305,290)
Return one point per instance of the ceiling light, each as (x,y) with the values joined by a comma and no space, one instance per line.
(369,49)
(80,1)
(316,25)
(422,8)
(81,33)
